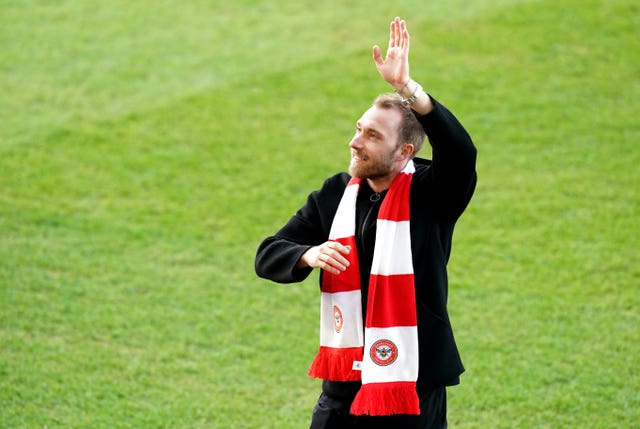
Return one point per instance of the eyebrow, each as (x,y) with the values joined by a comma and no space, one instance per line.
(370,130)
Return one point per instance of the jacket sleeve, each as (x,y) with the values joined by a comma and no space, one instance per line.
(276,260)
(278,255)
(453,169)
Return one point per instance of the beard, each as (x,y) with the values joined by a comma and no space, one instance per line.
(371,167)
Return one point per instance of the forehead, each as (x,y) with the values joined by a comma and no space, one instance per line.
(385,121)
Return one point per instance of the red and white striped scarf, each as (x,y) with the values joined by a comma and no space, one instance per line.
(383,355)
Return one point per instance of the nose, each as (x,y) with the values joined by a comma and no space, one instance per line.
(356,141)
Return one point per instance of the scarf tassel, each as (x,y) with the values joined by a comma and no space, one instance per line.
(336,364)
(381,399)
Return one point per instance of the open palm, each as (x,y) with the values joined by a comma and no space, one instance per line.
(395,67)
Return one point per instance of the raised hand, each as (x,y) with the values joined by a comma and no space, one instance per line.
(395,67)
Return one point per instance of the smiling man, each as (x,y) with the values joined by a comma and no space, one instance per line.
(381,237)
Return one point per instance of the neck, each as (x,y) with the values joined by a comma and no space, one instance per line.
(380,184)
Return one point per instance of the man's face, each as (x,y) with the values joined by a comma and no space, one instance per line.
(373,147)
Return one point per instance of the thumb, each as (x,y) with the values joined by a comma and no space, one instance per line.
(377,56)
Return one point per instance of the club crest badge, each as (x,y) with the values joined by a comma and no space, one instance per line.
(338,321)
(383,352)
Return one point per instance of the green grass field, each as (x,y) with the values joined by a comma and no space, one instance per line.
(146,148)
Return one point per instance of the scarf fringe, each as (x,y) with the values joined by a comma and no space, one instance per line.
(336,364)
(381,399)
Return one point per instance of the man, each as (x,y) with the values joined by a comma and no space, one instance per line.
(381,237)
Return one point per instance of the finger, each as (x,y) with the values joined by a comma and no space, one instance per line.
(342,248)
(335,258)
(407,40)
(333,253)
(396,31)
(328,268)
(377,56)
(329,264)
(340,262)
(336,245)
(399,31)
(403,34)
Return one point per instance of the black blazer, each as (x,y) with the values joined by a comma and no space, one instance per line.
(440,191)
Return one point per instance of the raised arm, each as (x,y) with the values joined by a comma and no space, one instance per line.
(454,155)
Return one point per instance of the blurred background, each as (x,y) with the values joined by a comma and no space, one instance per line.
(146,148)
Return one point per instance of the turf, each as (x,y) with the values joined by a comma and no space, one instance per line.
(146,148)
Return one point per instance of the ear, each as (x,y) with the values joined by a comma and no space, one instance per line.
(407,150)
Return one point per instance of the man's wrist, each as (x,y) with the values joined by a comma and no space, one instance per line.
(402,87)
(410,90)
(414,96)
(417,91)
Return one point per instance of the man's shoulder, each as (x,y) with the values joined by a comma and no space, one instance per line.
(332,187)
(423,166)
(327,198)
(336,182)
